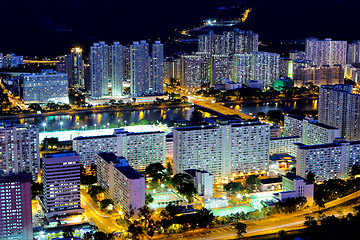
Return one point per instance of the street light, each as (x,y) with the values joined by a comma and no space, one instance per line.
(78,125)
(61,124)
(44,125)
(95,126)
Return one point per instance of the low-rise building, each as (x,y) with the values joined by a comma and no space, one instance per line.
(203,182)
(270,184)
(122,183)
(295,186)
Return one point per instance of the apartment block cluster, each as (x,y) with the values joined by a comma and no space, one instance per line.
(232,55)
(113,67)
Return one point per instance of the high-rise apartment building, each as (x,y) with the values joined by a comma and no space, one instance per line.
(171,70)
(326,52)
(19,149)
(229,42)
(220,68)
(327,161)
(75,68)
(1,60)
(157,57)
(352,128)
(99,70)
(15,211)
(297,55)
(116,69)
(281,145)
(140,69)
(47,86)
(191,71)
(319,75)
(311,131)
(124,185)
(262,66)
(222,149)
(61,176)
(333,107)
(353,52)
(139,148)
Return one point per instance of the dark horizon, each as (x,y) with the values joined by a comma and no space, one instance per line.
(44,28)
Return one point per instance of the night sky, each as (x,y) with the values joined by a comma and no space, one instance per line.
(51,28)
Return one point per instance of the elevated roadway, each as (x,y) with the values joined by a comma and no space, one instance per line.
(220,109)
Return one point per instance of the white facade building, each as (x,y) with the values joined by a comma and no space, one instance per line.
(99,70)
(284,145)
(311,131)
(157,57)
(140,69)
(327,161)
(19,149)
(47,86)
(224,149)
(140,148)
(294,186)
(326,52)
(203,181)
(262,66)
(124,185)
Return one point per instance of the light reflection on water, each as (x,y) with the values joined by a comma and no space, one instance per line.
(101,119)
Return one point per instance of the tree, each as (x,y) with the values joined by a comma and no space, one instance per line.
(145,212)
(105,204)
(310,176)
(275,116)
(253,181)
(205,217)
(310,223)
(240,228)
(135,230)
(261,115)
(184,99)
(156,171)
(355,170)
(196,118)
(35,107)
(148,199)
(184,184)
(234,187)
(94,191)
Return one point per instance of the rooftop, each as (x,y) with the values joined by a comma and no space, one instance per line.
(192,172)
(271,180)
(282,138)
(59,155)
(120,164)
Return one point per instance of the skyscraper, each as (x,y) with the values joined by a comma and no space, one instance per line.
(262,66)
(353,52)
(116,68)
(19,149)
(229,42)
(157,55)
(326,52)
(61,175)
(76,68)
(140,69)
(15,211)
(333,107)
(191,71)
(99,70)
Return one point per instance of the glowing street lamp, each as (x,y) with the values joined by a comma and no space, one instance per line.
(95,126)
(61,124)
(44,125)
